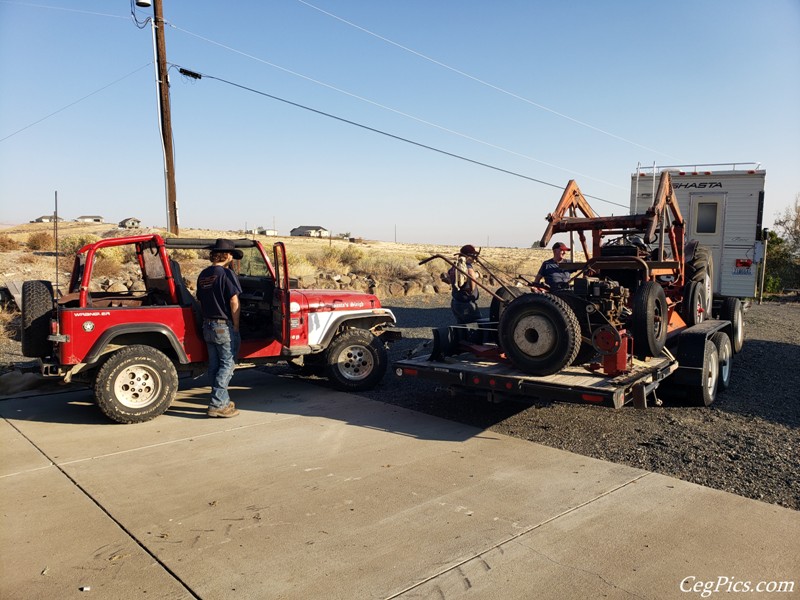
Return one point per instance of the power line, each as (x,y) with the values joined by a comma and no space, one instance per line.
(389,108)
(63,108)
(481,81)
(197,75)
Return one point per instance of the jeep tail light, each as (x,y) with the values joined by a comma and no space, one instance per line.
(53,327)
(294,322)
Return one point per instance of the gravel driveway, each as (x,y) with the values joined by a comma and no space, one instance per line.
(746,443)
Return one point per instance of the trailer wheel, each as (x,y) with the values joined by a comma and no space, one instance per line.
(649,320)
(695,308)
(539,333)
(497,307)
(135,384)
(579,306)
(732,311)
(704,393)
(37,305)
(725,354)
(356,360)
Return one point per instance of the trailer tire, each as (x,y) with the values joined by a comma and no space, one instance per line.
(694,309)
(587,351)
(704,393)
(539,333)
(725,355)
(649,320)
(37,306)
(356,360)
(135,384)
(733,311)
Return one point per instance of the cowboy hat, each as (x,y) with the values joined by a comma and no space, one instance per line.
(223,245)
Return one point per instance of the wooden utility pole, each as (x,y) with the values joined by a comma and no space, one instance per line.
(165,116)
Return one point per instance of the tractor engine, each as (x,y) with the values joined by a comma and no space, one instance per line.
(607,297)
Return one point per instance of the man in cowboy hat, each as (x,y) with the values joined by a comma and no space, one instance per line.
(554,276)
(218,291)
(463,289)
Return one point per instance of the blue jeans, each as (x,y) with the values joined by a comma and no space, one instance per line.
(223,346)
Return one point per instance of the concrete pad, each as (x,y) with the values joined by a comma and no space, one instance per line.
(646,540)
(311,493)
(18,453)
(54,541)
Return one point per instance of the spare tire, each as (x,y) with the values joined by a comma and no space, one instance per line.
(37,306)
(648,323)
(539,333)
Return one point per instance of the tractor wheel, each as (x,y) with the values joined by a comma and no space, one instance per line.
(701,269)
(37,306)
(135,384)
(725,354)
(356,360)
(539,333)
(694,309)
(733,311)
(579,306)
(704,393)
(648,323)
(497,307)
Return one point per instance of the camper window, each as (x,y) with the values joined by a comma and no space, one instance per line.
(707,217)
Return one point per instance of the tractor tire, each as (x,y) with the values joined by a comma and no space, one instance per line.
(701,269)
(587,350)
(539,333)
(135,384)
(37,307)
(694,309)
(733,311)
(497,307)
(725,355)
(648,324)
(705,392)
(356,361)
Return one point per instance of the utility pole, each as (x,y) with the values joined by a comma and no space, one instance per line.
(165,116)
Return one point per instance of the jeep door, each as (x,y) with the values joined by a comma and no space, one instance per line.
(280,314)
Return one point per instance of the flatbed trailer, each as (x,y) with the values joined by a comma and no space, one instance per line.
(684,361)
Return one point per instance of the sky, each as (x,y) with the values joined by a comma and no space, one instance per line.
(457,121)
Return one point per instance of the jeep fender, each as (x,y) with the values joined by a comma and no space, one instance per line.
(368,321)
(140,333)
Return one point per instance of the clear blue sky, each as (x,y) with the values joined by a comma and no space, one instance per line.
(549,90)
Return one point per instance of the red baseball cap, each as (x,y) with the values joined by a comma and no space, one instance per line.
(560,245)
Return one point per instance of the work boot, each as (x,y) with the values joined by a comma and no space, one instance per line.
(229,410)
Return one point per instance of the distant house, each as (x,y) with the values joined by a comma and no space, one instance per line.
(130,223)
(89,219)
(47,219)
(310,231)
(269,232)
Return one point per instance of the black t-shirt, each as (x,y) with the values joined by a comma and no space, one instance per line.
(215,287)
(554,276)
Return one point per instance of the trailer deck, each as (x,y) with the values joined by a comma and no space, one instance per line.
(573,384)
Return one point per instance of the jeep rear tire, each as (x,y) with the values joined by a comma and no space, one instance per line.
(37,306)
(135,384)
(355,361)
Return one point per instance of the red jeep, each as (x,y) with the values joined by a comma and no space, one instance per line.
(131,346)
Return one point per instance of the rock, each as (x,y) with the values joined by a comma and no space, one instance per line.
(428,289)
(117,288)
(138,286)
(412,288)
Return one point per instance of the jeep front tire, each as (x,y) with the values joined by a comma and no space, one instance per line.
(136,384)
(355,361)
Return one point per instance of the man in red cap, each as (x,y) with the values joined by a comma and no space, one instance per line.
(554,276)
